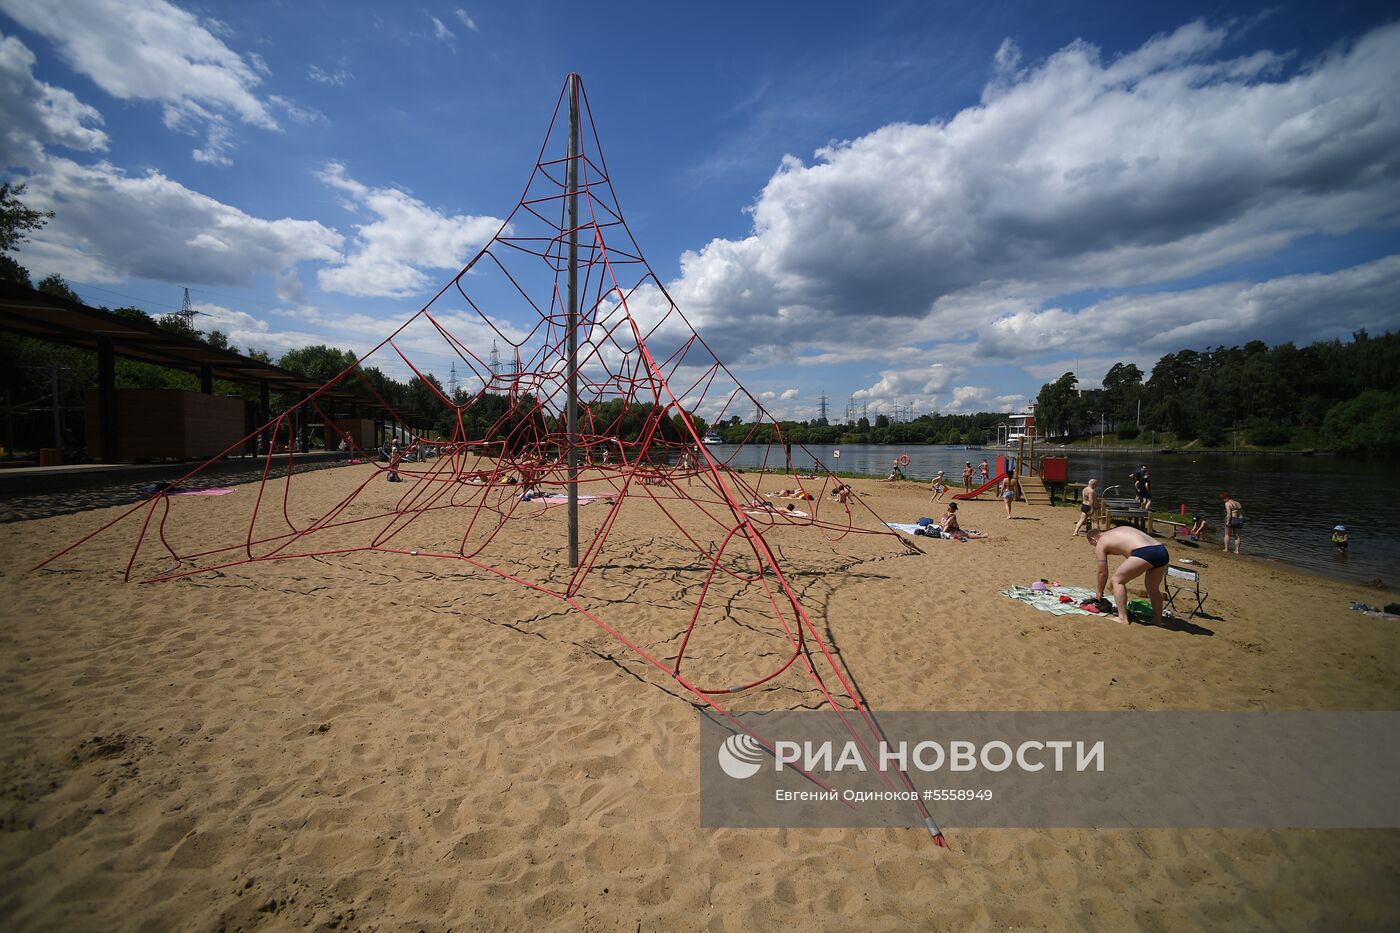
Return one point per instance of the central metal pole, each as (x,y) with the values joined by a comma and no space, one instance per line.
(572,414)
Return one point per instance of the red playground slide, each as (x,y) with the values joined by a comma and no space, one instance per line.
(974,493)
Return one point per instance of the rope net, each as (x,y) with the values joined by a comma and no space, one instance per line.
(679,544)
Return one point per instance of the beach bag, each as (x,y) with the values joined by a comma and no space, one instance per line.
(925,522)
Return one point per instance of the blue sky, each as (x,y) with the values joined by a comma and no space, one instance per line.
(928,204)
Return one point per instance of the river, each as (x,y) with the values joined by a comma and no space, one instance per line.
(1291,502)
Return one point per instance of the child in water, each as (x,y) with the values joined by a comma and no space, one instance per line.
(1339,538)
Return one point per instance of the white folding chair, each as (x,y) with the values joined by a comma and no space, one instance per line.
(1179,580)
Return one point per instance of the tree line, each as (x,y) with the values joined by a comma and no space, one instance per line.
(1342,395)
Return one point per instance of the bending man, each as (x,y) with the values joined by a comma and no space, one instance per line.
(1143,556)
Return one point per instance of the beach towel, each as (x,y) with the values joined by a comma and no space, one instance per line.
(793,513)
(1389,611)
(556,499)
(922,532)
(212,491)
(906,528)
(1048,600)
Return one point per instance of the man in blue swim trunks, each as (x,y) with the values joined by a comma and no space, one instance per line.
(1143,556)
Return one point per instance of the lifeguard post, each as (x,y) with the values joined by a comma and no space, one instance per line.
(1033,475)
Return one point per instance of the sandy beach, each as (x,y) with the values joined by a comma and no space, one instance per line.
(387,742)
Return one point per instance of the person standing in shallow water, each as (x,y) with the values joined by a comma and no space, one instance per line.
(967,475)
(1142,485)
(1234,521)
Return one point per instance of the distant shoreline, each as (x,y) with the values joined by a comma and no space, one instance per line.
(1172,451)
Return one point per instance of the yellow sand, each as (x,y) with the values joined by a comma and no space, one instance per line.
(397,742)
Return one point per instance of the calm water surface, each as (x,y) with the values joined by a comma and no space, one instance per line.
(1290,502)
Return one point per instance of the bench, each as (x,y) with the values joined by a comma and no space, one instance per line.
(1127,510)
(1180,581)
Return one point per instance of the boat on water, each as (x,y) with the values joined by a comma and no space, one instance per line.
(711,439)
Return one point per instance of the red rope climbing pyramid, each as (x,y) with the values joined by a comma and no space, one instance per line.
(506,467)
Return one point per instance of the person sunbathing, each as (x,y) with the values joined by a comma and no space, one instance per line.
(949,521)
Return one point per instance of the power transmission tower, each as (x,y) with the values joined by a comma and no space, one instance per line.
(187,311)
(183,320)
(821,403)
(851,410)
(452,382)
(495,360)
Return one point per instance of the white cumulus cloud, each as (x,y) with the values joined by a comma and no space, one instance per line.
(110,226)
(151,50)
(1073,173)
(38,114)
(405,237)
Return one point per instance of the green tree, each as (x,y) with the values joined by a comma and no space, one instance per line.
(217,338)
(318,363)
(1122,390)
(16,220)
(1370,422)
(54,285)
(178,324)
(1055,405)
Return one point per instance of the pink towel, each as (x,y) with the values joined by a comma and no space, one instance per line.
(218,491)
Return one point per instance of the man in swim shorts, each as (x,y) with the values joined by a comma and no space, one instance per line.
(1143,556)
(1088,500)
